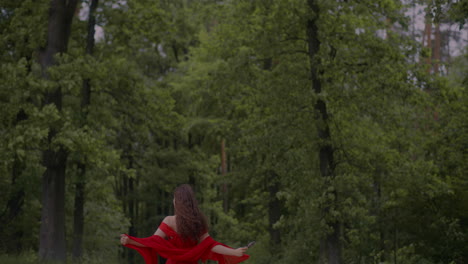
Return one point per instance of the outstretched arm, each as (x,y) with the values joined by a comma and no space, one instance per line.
(124,239)
(229,251)
(220,249)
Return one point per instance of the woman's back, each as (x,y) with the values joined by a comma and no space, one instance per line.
(169,227)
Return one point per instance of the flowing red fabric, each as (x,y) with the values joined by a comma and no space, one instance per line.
(179,251)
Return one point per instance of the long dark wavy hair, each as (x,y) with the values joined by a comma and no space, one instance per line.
(191,222)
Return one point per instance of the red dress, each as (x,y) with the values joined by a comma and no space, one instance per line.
(179,251)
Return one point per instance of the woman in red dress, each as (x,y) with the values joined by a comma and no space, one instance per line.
(183,238)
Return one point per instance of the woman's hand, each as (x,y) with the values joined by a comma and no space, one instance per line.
(124,239)
(240,251)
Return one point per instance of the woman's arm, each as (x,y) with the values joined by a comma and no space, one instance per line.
(168,220)
(124,239)
(229,251)
(220,249)
(160,233)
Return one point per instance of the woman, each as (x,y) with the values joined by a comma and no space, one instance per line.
(183,238)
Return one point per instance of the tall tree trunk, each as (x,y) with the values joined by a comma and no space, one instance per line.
(330,244)
(377,212)
(80,185)
(224,174)
(274,210)
(14,207)
(78,212)
(273,187)
(52,231)
(130,202)
(131,212)
(15,202)
(437,41)
(427,41)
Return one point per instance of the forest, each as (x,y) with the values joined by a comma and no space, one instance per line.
(329,131)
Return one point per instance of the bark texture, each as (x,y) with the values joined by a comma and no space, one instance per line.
(52,243)
(330,245)
(80,185)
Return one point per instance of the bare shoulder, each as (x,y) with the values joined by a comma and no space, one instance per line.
(204,236)
(170,221)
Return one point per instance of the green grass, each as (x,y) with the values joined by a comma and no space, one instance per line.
(32,258)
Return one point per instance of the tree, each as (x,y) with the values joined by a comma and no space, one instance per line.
(20,130)
(52,234)
(330,245)
(78,221)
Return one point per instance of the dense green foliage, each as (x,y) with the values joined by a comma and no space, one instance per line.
(175,86)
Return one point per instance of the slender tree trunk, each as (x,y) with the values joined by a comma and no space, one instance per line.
(80,185)
(274,210)
(130,202)
(52,231)
(224,174)
(131,212)
(273,187)
(427,41)
(377,212)
(14,206)
(78,213)
(330,244)
(437,48)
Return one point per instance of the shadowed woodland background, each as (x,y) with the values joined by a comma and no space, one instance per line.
(327,131)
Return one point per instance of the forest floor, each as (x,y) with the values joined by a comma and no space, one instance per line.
(32,258)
